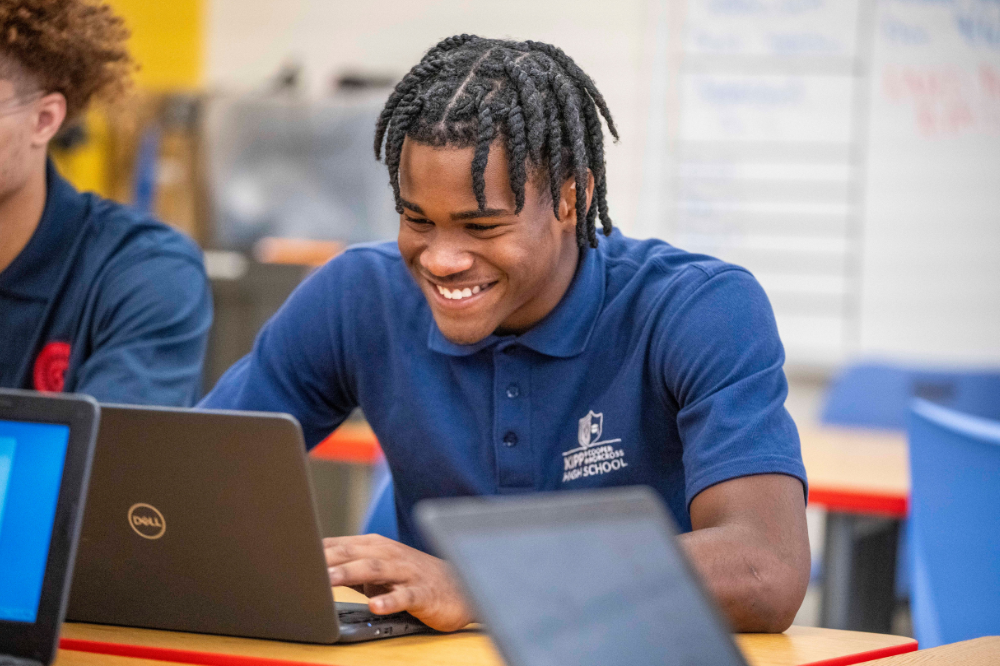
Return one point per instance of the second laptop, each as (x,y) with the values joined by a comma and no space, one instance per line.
(204,521)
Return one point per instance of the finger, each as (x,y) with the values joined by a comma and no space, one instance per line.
(401,598)
(366,570)
(374,589)
(339,550)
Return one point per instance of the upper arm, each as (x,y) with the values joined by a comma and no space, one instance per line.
(149,333)
(299,363)
(722,360)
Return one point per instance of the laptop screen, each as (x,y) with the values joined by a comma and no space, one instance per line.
(32,456)
(589,590)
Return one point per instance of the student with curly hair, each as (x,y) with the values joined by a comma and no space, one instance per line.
(503,346)
(94,297)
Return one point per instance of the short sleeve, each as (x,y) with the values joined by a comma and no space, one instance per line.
(722,362)
(150,331)
(298,364)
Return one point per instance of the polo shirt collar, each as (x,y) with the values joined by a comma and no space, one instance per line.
(564,332)
(35,272)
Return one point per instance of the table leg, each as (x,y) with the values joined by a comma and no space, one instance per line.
(859,563)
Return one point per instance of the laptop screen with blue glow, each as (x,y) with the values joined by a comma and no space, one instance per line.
(32,456)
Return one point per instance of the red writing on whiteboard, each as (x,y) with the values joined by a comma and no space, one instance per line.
(947,101)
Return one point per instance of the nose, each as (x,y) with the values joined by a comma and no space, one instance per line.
(445,255)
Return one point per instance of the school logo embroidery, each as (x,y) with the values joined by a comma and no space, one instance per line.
(51,364)
(594,456)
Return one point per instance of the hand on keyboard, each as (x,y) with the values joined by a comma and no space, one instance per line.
(398,578)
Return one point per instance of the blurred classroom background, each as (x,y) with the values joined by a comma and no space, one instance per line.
(847,152)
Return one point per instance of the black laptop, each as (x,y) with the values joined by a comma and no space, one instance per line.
(589,578)
(46,442)
(204,521)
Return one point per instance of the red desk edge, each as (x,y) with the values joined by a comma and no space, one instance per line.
(847,500)
(222,659)
(354,444)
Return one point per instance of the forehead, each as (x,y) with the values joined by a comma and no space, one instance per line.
(442,176)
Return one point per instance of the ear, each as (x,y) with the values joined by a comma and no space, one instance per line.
(47,118)
(567,201)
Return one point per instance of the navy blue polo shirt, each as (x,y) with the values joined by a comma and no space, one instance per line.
(657,367)
(104,301)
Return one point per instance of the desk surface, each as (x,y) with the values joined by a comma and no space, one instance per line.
(796,647)
(857,471)
(977,652)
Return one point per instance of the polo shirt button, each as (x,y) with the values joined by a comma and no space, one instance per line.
(513,391)
(510,439)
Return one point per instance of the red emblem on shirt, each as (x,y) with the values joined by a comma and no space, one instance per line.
(50,367)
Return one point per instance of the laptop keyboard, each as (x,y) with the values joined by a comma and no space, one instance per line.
(361,616)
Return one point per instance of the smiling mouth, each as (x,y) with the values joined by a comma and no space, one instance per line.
(464,293)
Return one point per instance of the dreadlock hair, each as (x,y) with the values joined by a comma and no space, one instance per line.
(469,91)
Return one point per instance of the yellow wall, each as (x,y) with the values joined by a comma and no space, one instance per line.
(167,42)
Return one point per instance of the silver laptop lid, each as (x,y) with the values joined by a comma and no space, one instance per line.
(588,578)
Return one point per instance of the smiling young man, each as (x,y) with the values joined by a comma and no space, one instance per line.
(94,297)
(501,346)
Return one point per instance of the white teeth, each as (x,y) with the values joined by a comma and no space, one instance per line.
(458,294)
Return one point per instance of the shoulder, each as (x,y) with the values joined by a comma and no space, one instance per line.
(378,258)
(663,275)
(368,282)
(376,269)
(129,257)
(124,236)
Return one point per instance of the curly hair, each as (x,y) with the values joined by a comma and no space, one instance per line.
(469,91)
(74,47)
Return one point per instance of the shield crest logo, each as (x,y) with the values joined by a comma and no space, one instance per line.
(591,427)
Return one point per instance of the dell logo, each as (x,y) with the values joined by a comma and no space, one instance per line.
(146,521)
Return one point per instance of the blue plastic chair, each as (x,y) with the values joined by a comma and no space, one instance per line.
(878,395)
(381,516)
(954,525)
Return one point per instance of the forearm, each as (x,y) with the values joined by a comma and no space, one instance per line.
(758,588)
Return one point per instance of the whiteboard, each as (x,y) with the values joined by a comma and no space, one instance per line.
(931,250)
(847,152)
(762,163)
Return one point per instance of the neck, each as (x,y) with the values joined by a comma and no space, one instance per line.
(20,213)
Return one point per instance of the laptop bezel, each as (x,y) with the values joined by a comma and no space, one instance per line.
(441,519)
(81,413)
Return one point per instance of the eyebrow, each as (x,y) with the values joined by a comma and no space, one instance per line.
(464,215)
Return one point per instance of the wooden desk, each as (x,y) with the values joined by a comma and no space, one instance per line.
(862,478)
(81,643)
(799,646)
(977,652)
(852,470)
